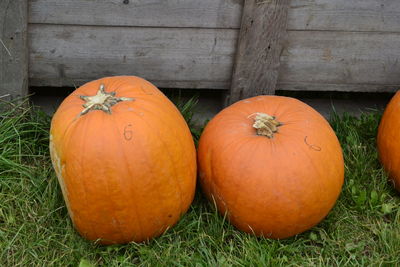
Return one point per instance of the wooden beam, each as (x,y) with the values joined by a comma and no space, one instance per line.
(67,55)
(336,57)
(13,49)
(261,39)
(136,13)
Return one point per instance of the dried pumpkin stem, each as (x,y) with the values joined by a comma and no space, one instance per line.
(101,101)
(265,125)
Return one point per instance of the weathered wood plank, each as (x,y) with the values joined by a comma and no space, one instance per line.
(151,13)
(309,86)
(345,15)
(260,45)
(13,49)
(169,57)
(341,15)
(56,82)
(359,61)
(341,58)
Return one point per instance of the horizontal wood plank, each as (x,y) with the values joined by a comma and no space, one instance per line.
(309,86)
(341,58)
(75,83)
(203,58)
(345,15)
(340,15)
(150,13)
(169,57)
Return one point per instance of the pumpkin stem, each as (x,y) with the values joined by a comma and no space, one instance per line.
(265,124)
(101,101)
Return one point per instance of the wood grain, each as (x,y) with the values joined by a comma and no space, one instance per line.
(342,87)
(334,45)
(260,45)
(339,15)
(341,58)
(202,58)
(345,15)
(169,57)
(149,13)
(13,49)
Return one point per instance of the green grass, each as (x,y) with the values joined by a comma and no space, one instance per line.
(362,230)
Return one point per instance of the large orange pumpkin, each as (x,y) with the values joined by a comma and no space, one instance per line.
(125,160)
(272,164)
(388,140)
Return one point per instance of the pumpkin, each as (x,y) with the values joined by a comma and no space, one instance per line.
(124,158)
(272,165)
(388,140)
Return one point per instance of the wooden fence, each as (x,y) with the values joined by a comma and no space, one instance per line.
(250,47)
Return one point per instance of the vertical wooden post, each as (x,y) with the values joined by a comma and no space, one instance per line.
(13,49)
(260,44)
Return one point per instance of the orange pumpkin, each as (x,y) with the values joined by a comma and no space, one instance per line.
(388,140)
(272,164)
(124,158)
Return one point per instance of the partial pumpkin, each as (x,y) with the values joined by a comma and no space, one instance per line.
(388,140)
(125,160)
(272,164)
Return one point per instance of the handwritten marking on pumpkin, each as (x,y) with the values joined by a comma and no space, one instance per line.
(313,147)
(128,133)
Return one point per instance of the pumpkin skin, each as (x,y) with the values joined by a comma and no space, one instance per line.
(128,174)
(388,140)
(273,187)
